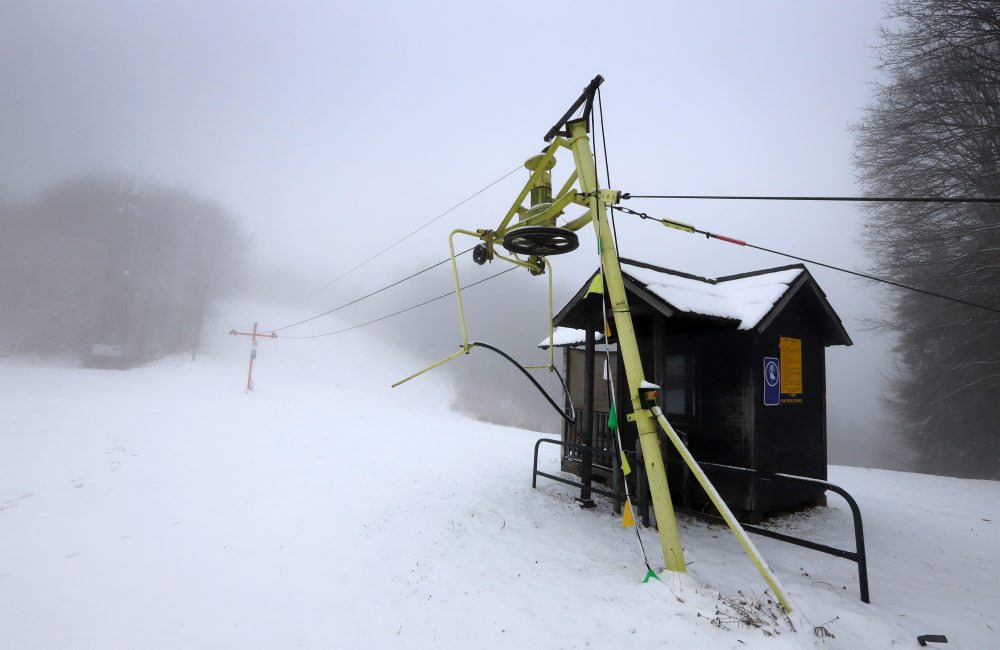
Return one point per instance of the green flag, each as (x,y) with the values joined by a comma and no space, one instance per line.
(613,419)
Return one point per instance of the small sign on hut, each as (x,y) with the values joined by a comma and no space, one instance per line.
(741,361)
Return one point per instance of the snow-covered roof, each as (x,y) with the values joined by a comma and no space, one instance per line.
(747,299)
(564,336)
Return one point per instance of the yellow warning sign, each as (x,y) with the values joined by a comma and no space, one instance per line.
(791,367)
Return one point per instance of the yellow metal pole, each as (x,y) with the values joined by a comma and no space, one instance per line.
(673,554)
(519,262)
(727,514)
(464,350)
(466,346)
(547,217)
(458,287)
(568,185)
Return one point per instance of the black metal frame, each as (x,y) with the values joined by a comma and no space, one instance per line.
(586,100)
(614,495)
(858,555)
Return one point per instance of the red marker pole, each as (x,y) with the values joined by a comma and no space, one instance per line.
(253,349)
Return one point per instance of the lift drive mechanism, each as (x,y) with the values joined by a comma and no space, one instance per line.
(532,237)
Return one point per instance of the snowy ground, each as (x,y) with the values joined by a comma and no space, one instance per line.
(163,507)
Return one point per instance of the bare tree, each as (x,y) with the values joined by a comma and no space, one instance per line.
(95,261)
(934,130)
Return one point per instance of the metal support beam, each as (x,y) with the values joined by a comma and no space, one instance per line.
(670,540)
(741,536)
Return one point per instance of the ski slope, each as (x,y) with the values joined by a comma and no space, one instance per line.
(164,507)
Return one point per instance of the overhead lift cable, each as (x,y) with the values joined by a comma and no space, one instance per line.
(607,166)
(688,228)
(402,311)
(402,239)
(843,199)
(369,295)
(569,418)
(624,467)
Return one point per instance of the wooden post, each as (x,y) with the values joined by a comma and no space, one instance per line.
(253,355)
(587,433)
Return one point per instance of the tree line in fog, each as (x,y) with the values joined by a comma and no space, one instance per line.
(115,271)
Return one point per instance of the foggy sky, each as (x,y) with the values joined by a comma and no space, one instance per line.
(332,129)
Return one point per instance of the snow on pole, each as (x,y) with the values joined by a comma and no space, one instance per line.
(727,514)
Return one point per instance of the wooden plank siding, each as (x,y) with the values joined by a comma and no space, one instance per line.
(574,360)
(717,432)
(721,411)
(790,438)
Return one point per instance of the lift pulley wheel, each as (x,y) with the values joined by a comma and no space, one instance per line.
(541,241)
(480,254)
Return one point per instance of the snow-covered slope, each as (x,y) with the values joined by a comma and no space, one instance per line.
(163,507)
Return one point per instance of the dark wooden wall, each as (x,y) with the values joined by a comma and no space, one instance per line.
(575,360)
(603,438)
(730,425)
(718,431)
(790,438)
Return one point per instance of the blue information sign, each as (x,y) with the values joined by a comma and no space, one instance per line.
(772,381)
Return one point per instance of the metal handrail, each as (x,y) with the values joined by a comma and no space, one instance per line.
(535,473)
(858,555)
(859,533)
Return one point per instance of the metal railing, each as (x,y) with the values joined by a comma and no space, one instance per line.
(617,495)
(858,555)
(614,494)
(604,438)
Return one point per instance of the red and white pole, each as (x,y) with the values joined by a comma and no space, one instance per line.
(253,349)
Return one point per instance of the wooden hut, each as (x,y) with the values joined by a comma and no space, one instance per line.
(741,363)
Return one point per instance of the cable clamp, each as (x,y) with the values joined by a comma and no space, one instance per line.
(610,196)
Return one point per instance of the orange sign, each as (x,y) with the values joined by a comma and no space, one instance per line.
(791,367)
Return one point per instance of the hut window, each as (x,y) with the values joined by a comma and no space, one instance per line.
(678,389)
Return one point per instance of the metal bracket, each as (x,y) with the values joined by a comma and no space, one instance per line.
(610,196)
(586,100)
(631,417)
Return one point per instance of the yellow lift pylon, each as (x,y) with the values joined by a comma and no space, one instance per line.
(535,236)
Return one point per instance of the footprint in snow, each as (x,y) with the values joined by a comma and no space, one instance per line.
(10,503)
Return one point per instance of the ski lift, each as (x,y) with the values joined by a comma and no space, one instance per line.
(536,236)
